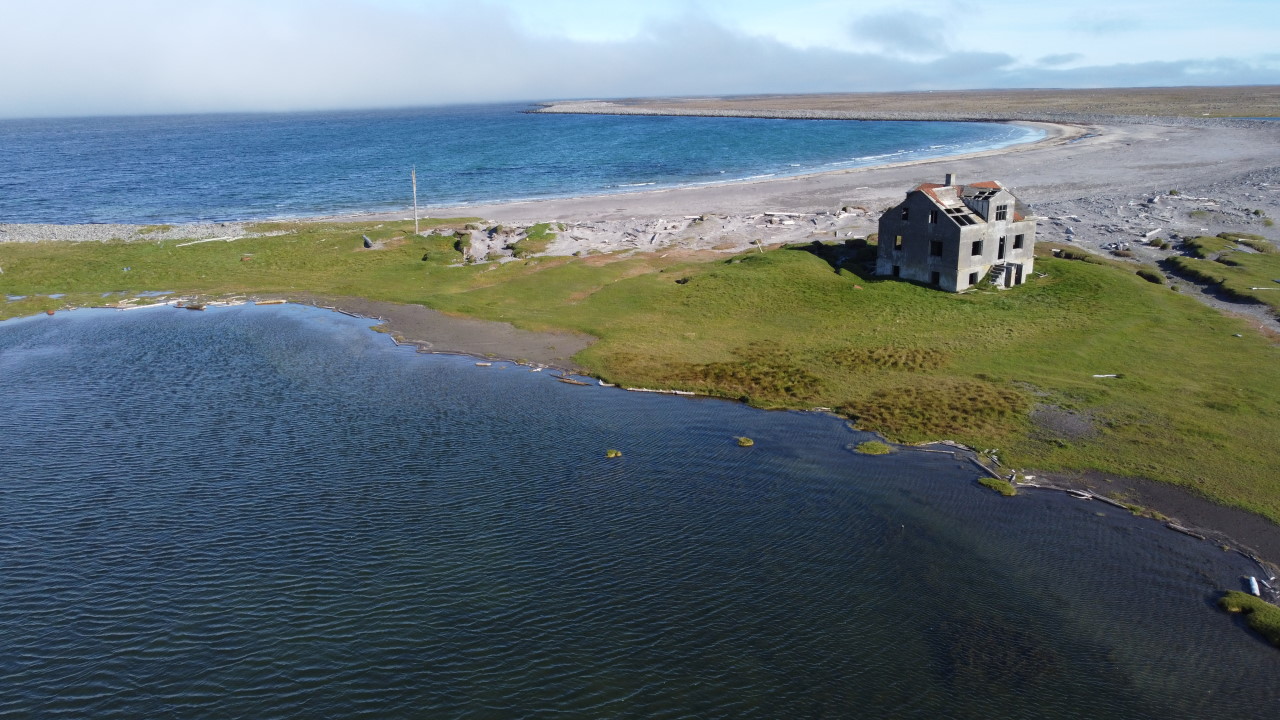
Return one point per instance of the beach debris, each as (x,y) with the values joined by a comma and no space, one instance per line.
(661,392)
(484,364)
(611,453)
(1185,531)
(1108,375)
(217,239)
(745,442)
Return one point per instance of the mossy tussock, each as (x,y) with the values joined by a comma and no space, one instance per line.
(1261,616)
(535,241)
(755,376)
(924,408)
(1004,487)
(1218,261)
(888,357)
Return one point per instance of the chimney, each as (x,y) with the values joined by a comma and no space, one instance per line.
(951,179)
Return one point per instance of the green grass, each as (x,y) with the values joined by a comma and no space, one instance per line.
(1256,242)
(1218,261)
(873,447)
(1151,276)
(1196,407)
(1207,247)
(535,241)
(1004,487)
(1262,616)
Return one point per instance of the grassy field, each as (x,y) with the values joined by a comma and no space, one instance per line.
(1242,266)
(792,327)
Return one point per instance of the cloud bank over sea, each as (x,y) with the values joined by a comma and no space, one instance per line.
(145,56)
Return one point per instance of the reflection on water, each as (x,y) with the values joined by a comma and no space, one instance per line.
(266,512)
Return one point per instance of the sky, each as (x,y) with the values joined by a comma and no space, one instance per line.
(138,57)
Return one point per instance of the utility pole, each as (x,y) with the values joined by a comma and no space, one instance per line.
(413,176)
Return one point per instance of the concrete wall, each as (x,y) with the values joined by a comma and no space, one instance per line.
(957,264)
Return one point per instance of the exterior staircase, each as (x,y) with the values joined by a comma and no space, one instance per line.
(997,276)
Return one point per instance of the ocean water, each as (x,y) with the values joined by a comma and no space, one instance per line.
(235,167)
(274,512)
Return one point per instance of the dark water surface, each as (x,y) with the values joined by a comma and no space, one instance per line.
(234,167)
(273,512)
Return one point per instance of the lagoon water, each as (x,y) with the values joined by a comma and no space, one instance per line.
(238,167)
(274,512)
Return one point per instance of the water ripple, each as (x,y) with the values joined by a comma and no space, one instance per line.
(191,527)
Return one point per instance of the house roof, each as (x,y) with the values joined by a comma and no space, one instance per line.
(951,199)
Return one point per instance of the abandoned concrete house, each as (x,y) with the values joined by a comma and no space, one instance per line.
(953,235)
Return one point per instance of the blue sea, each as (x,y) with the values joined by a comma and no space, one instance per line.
(238,167)
(271,512)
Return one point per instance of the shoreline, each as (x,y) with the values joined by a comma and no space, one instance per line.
(1084,183)
(1251,535)
(1055,133)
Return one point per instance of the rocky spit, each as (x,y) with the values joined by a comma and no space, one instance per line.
(603,107)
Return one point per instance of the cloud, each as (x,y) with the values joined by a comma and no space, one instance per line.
(241,55)
(1059,59)
(907,32)
(1219,71)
